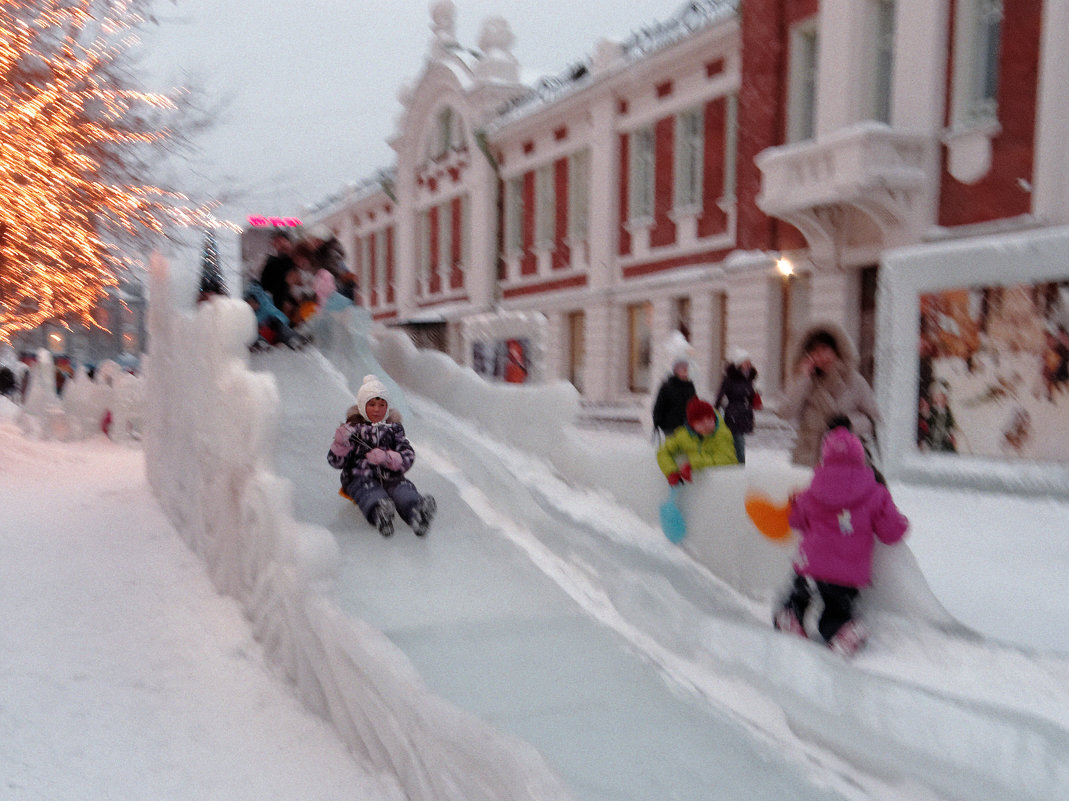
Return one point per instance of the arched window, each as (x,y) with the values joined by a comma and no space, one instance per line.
(448,134)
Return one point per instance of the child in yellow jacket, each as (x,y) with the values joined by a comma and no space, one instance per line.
(704,441)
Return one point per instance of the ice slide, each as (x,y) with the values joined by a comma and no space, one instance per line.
(563,616)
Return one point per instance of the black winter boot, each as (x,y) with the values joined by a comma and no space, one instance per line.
(423,515)
(382,516)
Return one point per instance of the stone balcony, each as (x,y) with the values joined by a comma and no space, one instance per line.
(863,188)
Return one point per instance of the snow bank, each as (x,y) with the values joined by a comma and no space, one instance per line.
(209,431)
(80,411)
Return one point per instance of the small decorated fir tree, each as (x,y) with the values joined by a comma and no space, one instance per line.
(211,275)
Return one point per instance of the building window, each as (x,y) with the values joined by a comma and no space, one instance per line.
(884,27)
(514,216)
(690,147)
(448,134)
(465,231)
(545,206)
(638,338)
(424,248)
(367,279)
(445,237)
(682,322)
(382,279)
(640,199)
(579,196)
(802,100)
(978,42)
(576,348)
(731,147)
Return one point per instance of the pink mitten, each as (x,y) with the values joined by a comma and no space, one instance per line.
(394,460)
(376,456)
(341,444)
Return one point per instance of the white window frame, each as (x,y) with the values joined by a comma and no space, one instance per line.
(689,160)
(579,196)
(977,44)
(641,176)
(803,82)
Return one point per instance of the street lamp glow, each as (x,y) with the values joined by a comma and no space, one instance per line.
(786,269)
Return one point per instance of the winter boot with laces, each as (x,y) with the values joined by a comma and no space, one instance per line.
(382,516)
(786,620)
(849,639)
(424,513)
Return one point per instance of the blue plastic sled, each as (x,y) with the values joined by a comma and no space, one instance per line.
(672,523)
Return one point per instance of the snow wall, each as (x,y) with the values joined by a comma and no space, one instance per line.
(210,426)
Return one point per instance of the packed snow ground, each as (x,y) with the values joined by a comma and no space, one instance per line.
(123,673)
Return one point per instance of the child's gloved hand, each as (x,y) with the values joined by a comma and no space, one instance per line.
(376,456)
(682,474)
(394,460)
(341,442)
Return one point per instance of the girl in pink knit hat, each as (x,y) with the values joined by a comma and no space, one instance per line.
(840,517)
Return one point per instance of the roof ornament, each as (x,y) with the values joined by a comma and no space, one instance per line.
(444,27)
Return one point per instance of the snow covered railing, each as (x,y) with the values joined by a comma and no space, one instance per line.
(210,427)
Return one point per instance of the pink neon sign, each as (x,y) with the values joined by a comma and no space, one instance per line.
(259,221)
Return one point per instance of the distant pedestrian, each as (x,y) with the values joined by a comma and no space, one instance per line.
(739,397)
(670,407)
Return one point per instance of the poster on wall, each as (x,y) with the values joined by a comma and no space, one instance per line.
(502,359)
(993,375)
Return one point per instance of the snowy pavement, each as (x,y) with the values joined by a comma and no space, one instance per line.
(123,674)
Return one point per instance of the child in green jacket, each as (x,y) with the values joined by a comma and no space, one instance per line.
(705,441)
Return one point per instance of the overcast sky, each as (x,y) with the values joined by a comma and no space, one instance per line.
(314,83)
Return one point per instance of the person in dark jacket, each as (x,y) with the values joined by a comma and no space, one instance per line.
(275,275)
(373,453)
(670,407)
(739,399)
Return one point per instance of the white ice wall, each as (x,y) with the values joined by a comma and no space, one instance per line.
(209,433)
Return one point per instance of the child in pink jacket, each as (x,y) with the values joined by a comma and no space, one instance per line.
(840,517)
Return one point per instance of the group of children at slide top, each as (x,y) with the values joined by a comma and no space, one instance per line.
(841,514)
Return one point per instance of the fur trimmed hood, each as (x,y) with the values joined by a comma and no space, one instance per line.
(843,343)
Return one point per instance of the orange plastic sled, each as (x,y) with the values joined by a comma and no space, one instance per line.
(769,517)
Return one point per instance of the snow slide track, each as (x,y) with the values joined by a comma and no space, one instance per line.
(712,643)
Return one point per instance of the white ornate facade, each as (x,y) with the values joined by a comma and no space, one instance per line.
(654,186)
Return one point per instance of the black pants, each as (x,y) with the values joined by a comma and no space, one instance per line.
(838,603)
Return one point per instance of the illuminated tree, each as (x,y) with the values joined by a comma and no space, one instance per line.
(77,140)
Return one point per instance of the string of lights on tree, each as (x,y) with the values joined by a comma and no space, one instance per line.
(73,136)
